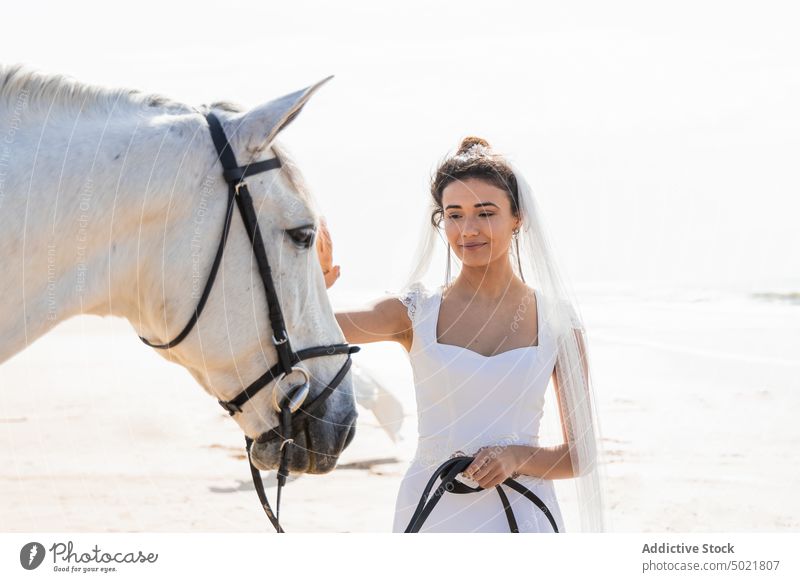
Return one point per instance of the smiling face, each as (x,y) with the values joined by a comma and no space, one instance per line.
(478,221)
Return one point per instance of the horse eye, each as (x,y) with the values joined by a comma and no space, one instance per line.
(303,236)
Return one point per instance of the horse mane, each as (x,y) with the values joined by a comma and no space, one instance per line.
(44,91)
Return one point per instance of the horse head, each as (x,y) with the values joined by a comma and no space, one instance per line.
(233,343)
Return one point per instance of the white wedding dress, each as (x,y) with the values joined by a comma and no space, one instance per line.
(465,401)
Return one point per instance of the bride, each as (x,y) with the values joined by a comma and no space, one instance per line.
(483,347)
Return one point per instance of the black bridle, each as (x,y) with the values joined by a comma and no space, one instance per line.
(448,471)
(292,410)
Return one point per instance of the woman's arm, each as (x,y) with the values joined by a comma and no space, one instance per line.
(584,366)
(544,462)
(384,320)
(553,462)
(494,464)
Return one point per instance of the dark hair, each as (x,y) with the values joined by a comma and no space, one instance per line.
(474,159)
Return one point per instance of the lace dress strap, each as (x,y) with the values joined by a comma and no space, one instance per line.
(412,297)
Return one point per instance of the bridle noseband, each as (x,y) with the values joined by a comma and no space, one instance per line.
(294,403)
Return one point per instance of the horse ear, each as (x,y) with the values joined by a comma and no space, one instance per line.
(257,127)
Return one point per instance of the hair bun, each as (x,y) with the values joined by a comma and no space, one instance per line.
(470,141)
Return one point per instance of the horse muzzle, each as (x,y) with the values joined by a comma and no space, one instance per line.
(315,448)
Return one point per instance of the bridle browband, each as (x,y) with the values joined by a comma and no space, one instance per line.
(294,403)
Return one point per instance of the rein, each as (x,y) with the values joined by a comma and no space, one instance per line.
(448,471)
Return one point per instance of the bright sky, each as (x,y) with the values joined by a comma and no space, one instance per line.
(662,140)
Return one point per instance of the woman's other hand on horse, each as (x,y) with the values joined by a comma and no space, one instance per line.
(325,253)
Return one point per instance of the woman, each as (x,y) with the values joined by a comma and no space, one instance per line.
(483,348)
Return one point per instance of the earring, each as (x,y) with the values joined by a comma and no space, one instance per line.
(447,275)
(519,261)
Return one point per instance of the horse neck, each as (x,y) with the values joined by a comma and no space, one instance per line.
(87,205)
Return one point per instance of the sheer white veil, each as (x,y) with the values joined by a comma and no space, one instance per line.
(577,402)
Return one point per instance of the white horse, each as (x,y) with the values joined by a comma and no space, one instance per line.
(112,203)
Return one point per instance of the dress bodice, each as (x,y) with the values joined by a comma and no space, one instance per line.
(466,400)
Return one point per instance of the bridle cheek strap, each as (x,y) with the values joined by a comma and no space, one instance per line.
(287,358)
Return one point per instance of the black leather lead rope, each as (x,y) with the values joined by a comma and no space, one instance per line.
(259,485)
(448,471)
(287,358)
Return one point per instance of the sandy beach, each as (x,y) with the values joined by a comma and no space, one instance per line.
(697,397)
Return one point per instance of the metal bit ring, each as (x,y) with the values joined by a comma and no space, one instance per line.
(298,395)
